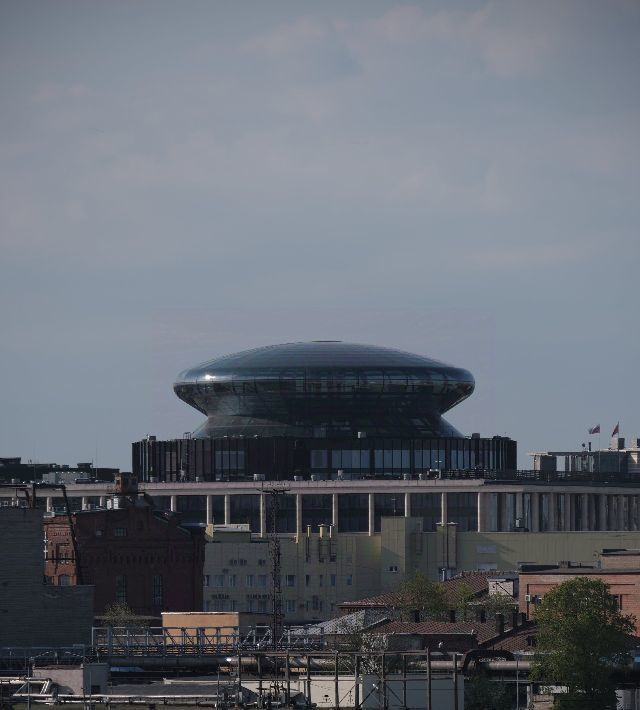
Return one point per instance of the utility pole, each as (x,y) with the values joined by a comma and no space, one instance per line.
(275,493)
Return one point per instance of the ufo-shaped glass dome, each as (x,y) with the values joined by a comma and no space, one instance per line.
(324,388)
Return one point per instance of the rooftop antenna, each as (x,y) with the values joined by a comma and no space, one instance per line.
(275,493)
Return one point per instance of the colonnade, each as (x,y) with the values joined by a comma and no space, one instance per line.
(497,511)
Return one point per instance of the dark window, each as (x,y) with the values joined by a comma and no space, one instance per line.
(316,510)
(387,505)
(353,512)
(462,508)
(158,590)
(428,507)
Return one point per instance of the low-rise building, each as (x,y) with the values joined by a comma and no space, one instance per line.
(619,569)
(33,613)
(131,552)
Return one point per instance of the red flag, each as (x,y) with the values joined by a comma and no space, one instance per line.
(595,429)
(616,431)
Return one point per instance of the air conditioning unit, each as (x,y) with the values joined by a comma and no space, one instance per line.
(527,597)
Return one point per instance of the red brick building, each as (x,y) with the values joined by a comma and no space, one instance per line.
(131,554)
(620,569)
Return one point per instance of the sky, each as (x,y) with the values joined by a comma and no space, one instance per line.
(181,180)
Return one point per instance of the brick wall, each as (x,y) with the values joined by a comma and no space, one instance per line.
(624,585)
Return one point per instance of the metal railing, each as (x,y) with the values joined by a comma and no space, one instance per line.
(198,641)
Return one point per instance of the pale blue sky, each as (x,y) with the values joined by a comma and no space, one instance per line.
(179,180)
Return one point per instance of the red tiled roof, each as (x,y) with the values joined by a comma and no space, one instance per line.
(475,581)
(481,631)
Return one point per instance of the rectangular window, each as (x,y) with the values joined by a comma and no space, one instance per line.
(218,580)
(291,580)
(120,532)
(262,580)
(121,588)
(157,590)
(232,580)
(291,606)
(321,580)
(207,580)
(307,580)
(349,580)
(249,580)
(333,580)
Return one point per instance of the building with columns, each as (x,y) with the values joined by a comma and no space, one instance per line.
(374,483)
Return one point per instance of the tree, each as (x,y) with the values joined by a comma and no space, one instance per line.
(499,603)
(121,614)
(581,636)
(480,693)
(422,597)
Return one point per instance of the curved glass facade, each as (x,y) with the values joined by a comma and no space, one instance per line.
(282,458)
(324,389)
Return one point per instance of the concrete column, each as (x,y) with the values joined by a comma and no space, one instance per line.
(209,500)
(263,515)
(553,512)
(298,514)
(535,512)
(568,511)
(334,511)
(103,501)
(49,504)
(504,522)
(407,505)
(227,509)
(444,513)
(372,518)
(174,503)
(519,506)
(602,507)
(85,503)
(584,523)
(482,512)
(621,521)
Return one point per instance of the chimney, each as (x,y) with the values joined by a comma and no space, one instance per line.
(499,623)
(515,619)
(452,616)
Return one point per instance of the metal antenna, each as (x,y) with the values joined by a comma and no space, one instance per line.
(275,493)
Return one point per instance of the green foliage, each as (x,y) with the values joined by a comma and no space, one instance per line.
(421,595)
(121,614)
(581,636)
(480,693)
(499,604)
(462,600)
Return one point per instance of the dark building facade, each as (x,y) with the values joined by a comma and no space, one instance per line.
(316,409)
(131,554)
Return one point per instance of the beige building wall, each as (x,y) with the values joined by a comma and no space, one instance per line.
(318,572)
(321,571)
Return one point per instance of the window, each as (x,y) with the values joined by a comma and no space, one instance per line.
(218,580)
(121,588)
(393,568)
(249,580)
(349,580)
(291,606)
(64,580)
(262,606)
(157,590)
(321,578)
(291,580)
(232,580)
(333,580)
(307,580)
(262,580)
(120,532)
(207,580)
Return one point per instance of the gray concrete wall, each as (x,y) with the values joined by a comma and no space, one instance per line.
(32,613)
